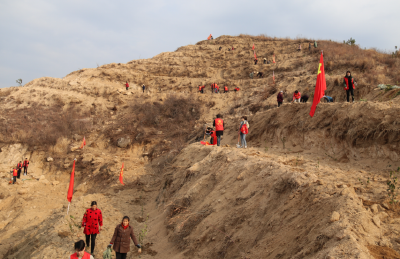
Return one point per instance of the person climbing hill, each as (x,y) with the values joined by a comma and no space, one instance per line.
(91,221)
(216,88)
(244,130)
(25,165)
(265,60)
(280,98)
(15,175)
(80,252)
(225,89)
(349,87)
(296,96)
(127,85)
(237,89)
(260,74)
(121,239)
(143,87)
(255,61)
(219,128)
(201,89)
(19,168)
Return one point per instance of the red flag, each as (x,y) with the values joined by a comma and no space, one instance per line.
(121,175)
(320,87)
(83,142)
(253,47)
(273,58)
(71,183)
(209,37)
(255,56)
(273,76)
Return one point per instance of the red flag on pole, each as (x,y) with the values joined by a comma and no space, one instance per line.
(273,58)
(320,87)
(121,175)
(83,143)
(255,56)
(71,183)
(253,47)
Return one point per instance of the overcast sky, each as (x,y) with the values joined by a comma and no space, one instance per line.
(53,38)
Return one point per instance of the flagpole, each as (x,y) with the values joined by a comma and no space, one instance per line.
(69,203)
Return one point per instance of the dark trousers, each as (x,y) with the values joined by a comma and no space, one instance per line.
(121,255)
(279,104)
(25,170)
(225,91)
(143,90)
(127,88)
(93,237)
(348,94)
(14,179)
(219,140)
(19,173)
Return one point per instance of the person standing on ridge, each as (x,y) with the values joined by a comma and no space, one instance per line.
(296,96)
(90,222)
(280,98)
(127,85)
(244,130)
(80,251)
(219,128)
(121,239)
(315,44)
(349,86)
(25,165)
(19,168)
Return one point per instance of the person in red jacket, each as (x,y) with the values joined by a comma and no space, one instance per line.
(219,128)
(90,222)
(296,96)
(225,89)
(19,168)
(80,251)
(25,165)
(349,86)
(237,89)
(216,88)
(127,85)
(244,130)
(15,174)
(200,89)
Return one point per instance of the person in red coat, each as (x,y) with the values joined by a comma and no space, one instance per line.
(80,251)
(91,222)
(19,168)
(127,85)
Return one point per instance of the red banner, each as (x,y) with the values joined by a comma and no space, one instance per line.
(121,175)
(71,184)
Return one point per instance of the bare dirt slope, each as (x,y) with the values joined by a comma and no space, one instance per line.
(305,187)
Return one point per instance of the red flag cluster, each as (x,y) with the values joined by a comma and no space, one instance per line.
(320,87)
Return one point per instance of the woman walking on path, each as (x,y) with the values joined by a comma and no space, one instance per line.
(80,251)
(244,130)
(121,239)
(90,222)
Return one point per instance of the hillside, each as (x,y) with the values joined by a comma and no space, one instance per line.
(305,187)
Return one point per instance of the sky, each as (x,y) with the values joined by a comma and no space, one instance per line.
(54,38)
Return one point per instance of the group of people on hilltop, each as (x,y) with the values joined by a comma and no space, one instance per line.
(16,171)
(215,88)
(127,86)
(217,131)
(92,224)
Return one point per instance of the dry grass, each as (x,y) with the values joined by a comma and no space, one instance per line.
(42,126)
